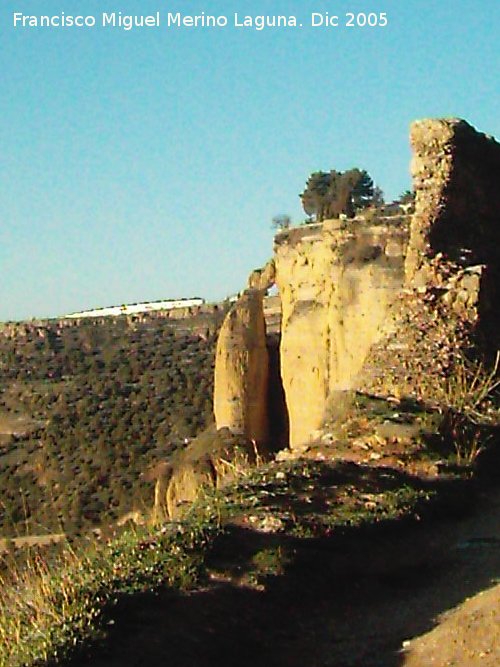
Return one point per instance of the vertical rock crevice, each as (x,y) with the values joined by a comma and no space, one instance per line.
(279,423)
(249,397)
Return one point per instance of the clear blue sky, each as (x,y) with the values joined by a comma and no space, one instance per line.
(148,164)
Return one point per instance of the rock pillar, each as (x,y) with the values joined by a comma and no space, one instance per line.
(242,370)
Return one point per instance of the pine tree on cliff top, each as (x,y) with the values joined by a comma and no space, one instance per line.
(330,194)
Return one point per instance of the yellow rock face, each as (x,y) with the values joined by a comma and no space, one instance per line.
(242,369)
(336,289)
(263,278)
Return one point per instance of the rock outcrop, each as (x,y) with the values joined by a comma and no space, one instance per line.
(336,282)
(352,290)
(242,370)
(456,171)
(209,460)
(263,279)
(244,392)
(385,306)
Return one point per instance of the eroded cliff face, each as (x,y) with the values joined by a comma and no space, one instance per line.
(377,305)
(337,282)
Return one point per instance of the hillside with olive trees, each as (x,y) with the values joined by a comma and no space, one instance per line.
(87,406)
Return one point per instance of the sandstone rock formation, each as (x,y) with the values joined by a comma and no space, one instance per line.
(360,311)
(383,306)
(242,370)
(352,290)
(243,394)
(336,283)
(210,460)
(263,279)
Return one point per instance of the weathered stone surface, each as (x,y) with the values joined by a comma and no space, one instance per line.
(208,461)
(263,279)
(336,289)
(456,171)
(452,266)
(242,369)
(185,484)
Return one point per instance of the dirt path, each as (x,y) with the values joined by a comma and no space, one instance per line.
(468,635)
(347,602)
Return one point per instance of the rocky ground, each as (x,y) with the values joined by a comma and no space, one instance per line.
(366,596)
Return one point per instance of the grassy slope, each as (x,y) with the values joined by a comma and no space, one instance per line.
(56,605)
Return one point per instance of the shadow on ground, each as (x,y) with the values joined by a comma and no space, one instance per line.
(347,601)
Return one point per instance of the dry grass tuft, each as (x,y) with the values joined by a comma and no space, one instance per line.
(468,399)
(50,605)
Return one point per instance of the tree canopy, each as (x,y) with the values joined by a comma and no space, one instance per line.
(330,194)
